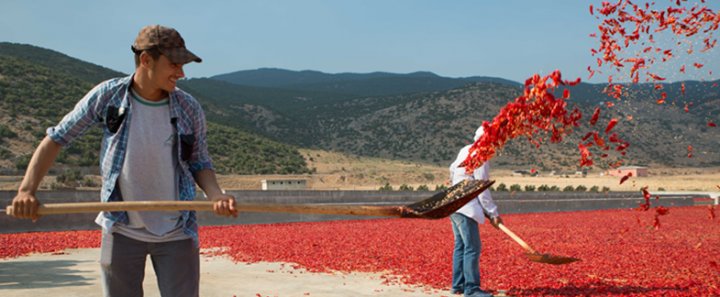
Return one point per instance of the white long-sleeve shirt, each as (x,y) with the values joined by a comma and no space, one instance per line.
(474,208)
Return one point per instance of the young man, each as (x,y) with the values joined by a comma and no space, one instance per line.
(154,147)
(466,254)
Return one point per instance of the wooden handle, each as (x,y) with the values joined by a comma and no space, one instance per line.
(517,239)
(83,207)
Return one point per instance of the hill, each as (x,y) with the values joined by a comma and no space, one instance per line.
(352,84)
(38,86)
(279,110)
(432,126)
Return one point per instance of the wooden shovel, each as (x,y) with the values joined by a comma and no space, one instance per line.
(438,206)
(532,254)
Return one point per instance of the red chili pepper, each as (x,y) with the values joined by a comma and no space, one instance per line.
(624,178)
(611,125)
(595,116)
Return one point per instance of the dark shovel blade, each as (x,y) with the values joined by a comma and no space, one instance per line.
(447,202)
(550,259)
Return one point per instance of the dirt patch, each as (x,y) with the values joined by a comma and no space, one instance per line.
(336,171)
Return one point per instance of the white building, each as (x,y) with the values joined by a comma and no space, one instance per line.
(284,184)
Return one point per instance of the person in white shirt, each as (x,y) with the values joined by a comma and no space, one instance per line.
(466,254)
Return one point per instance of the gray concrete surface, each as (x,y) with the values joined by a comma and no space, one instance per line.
(75,273)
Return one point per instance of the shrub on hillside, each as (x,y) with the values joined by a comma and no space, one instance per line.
(501,188)
(405,187)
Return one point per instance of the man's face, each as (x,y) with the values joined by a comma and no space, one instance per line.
(164,74)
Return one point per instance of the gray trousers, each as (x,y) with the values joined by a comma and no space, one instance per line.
(176,264)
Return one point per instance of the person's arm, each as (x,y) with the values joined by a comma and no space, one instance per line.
(25,204)
(86,113)
(486,200)
(224,203)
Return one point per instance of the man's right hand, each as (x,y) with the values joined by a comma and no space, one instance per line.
(25,206)
(496,221)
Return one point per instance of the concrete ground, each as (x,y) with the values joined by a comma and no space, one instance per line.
(75,273)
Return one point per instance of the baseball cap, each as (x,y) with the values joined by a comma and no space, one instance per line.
(167,40)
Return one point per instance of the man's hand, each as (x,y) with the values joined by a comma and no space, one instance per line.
(496,221)
(224,205)
(25,206)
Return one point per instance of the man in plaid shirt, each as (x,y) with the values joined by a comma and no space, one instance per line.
(154,147)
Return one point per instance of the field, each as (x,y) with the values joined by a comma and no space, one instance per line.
(335,171)
(340,171)
(621,253)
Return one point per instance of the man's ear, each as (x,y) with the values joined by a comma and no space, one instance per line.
(145,59)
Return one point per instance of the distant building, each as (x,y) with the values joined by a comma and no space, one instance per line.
(284,184)
(624,170)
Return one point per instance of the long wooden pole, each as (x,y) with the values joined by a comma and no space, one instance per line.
(84,207)
(517,239)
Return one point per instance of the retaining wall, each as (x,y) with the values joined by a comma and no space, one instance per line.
(524,202)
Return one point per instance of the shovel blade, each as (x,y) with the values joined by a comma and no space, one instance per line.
(447,202)
(550,259)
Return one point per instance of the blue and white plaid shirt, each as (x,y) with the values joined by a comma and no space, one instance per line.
(111,99)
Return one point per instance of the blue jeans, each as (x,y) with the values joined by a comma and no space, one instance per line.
(466,256)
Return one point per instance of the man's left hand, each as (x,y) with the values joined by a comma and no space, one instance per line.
(224,205)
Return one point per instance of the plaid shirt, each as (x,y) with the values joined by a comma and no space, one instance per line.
(109,104)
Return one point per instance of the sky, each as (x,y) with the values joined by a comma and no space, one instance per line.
(512,39)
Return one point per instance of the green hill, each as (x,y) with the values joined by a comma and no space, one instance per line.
(431,126)
(256,126)
(352,84)
(38,86)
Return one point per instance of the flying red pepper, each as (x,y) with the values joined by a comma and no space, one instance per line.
(611,125)
(624,178)
(595,116)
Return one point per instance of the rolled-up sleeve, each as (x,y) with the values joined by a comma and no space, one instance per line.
(85,114)
(486,200)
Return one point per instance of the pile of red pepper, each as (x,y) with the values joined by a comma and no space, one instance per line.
(622,253)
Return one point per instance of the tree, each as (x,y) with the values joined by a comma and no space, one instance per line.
(405,187)
(386,187)
(501,188)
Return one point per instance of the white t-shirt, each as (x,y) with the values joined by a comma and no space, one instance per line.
(150,172)
(474,208)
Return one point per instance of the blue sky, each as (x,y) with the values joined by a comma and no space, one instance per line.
(511,38)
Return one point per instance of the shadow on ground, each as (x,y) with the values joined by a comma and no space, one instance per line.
(42,274)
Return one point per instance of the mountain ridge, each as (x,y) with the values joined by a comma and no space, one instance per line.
(402,123)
